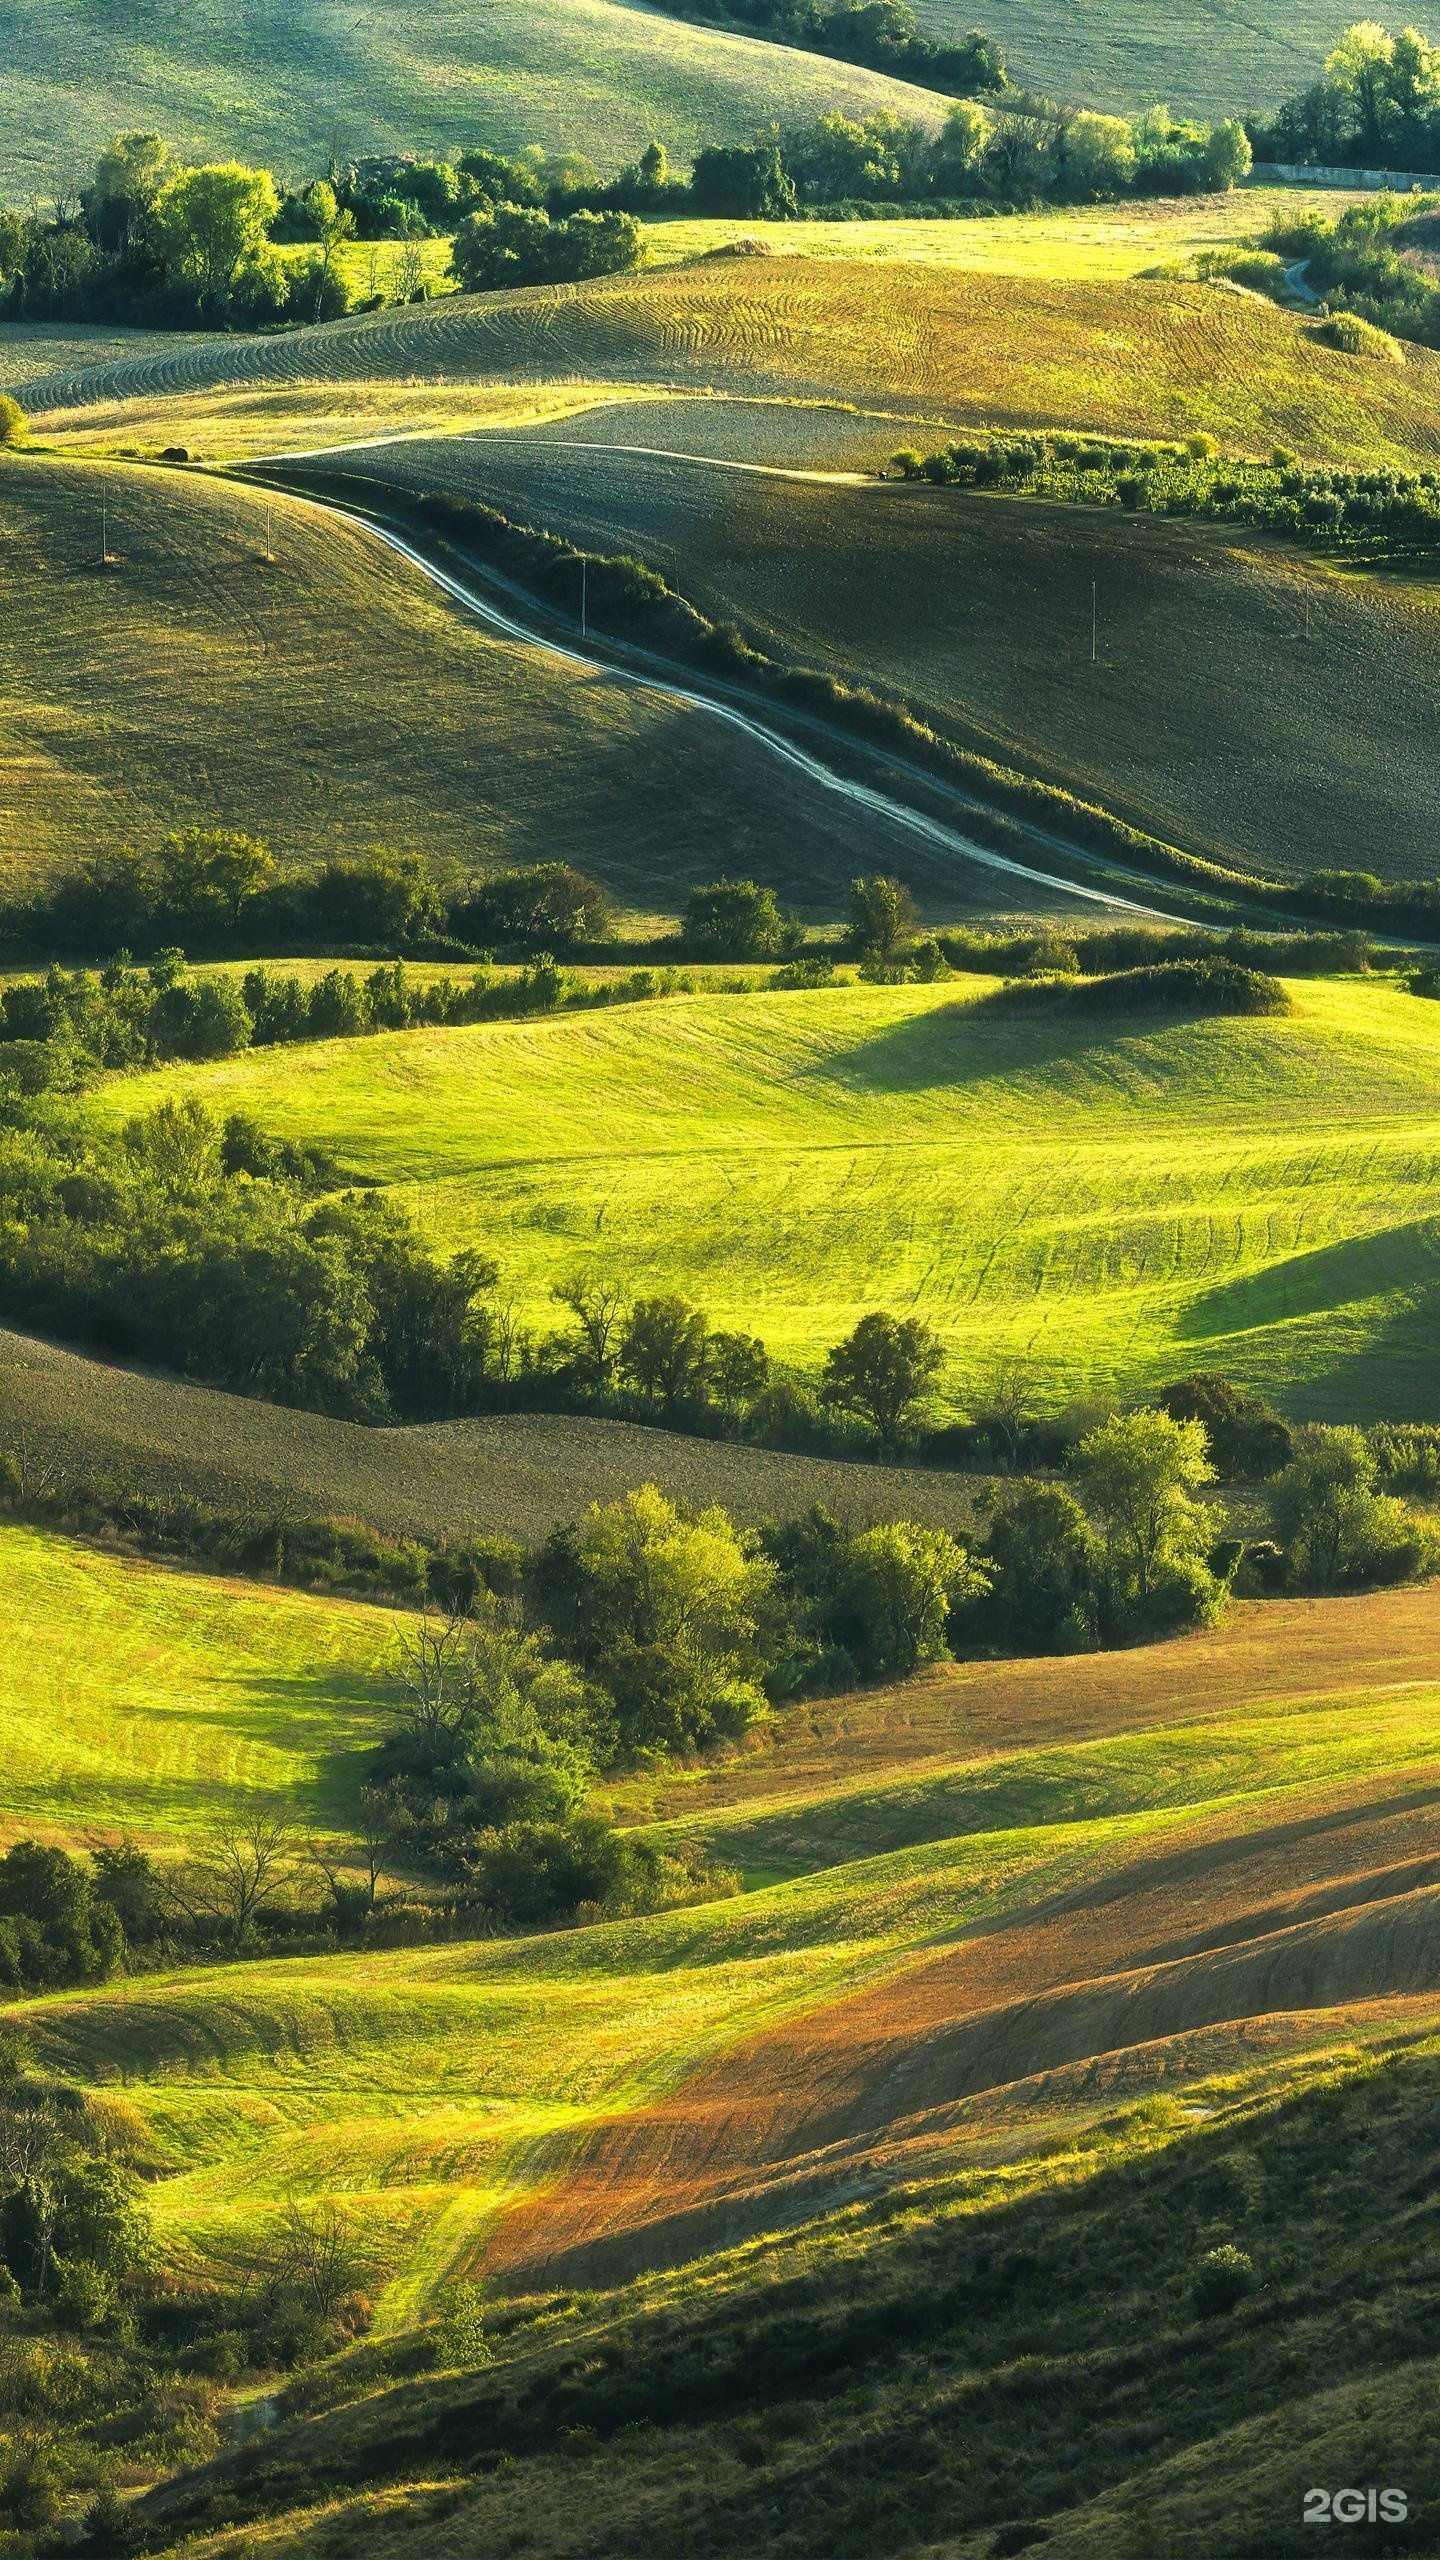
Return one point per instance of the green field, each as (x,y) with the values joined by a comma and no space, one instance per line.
(290,87)
(1111,1206)
(154,1702)
(421,732)
(1250,702)
(1206,57)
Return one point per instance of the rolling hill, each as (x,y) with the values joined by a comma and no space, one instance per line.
(1112,1206)
(290,87)
(1250,702)
(1047,346)
(153,1702)
(1115,1961)
(423,732)
(1205,57)
(84,1422)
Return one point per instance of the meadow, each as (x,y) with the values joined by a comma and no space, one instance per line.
(1204,57)
(1125,354)
(1110,1207)
(1246,699)
(425,733)
(143,1700)
(288,90)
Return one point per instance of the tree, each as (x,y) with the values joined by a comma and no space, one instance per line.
(1227,157)
(737,1366)
(598,1307)
(881,1371)
(882,918)
(209,224)
(549,907)
(435,1668)
(1358,74)
(129,175)
(334,224)
(746,180)
(208,875)
(733,920)
(665,1607)
(1096,156)
(903,1583)
(1336,1524)
(242,1871)
(1140,1473)
(1245,1435)
(663,1352)
(14,425)
(957,154)
(1043,1554)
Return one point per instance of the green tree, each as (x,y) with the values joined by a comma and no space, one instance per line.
(663,1352)
(1096,156)
(1140,1473)
(957,155)
(882,1370)
(737,1366)
(1227,157)
(334,224)
(129,175)
(903,1583)
(666,1608)
(733,920)
(14,425)
(1336,1525)
(1045,1561)
(208,875)
(882,918)
(211,223)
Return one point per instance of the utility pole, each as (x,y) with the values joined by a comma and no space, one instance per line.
(1094,622)
(104,535)
(584,592)
(269,545)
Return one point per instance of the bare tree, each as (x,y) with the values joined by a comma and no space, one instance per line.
(313,2258)
(373,1838)
(436,1667)
(33,2156)
(241,1872)
(1009,1402)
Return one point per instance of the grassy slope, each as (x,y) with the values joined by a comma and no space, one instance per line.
(922,340)
(1250,702)
(1207,56)
(150,1701)
(1113,1207)
(290,87)
(177,687)
(957,1995)
(510,1475)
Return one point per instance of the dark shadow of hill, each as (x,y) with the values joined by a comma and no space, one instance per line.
(1316,1283)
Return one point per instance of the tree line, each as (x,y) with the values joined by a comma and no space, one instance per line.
(651,1629)
(1376,105)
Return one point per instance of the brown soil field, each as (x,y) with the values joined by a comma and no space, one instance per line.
(75,1420)
(1301,1650)
(1281,1934)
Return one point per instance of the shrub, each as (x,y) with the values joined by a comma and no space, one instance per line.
(14,425)
(1209,986)
(734,920)
(1352,336)
(1222,2279)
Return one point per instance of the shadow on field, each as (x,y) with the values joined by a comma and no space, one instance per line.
(1404,1257)
(968,1043)
(328,1718)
